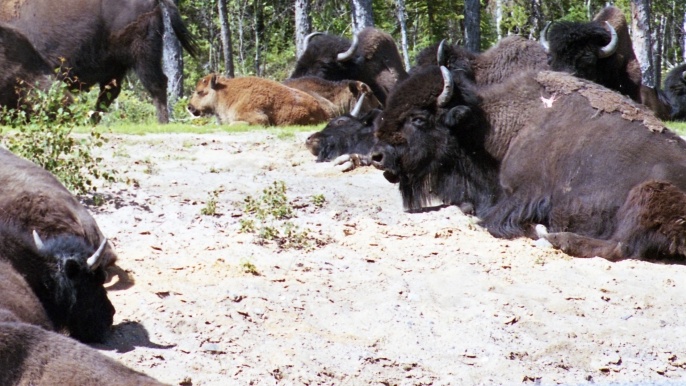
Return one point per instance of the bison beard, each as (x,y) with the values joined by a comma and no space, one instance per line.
(523,162)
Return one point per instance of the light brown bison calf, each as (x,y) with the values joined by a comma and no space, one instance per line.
(254,100)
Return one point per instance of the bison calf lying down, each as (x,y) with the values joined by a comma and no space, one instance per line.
(256,101)
(63,273)
(599,171)
(30,355)
(18,303)
(340,97)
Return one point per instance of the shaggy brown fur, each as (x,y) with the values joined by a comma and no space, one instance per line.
(34,199)
(101,40)
(343,94)
(253,100)
(30,355)
(18,301)
(542,148)
(512,55)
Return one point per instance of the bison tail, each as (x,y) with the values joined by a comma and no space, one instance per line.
(185,37)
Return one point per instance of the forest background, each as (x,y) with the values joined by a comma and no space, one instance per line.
(264,37)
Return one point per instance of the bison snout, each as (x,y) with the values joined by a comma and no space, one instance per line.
(193,110)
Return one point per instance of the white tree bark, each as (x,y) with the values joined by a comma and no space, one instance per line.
(172,62)
(362,15)
(303,25)
(640,23)
(472,25)
(683,39)
(400,8)
(227,50)
(499,18)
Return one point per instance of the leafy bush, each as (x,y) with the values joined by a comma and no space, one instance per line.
(41,131)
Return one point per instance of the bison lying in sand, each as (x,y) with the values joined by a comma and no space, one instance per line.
(30,355)
(256,101)
(599,171)
(18,303)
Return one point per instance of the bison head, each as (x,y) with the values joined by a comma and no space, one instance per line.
(327,56)
(79,299)
(575,47)
(426,134)
(453,57)
(204,99)
(675,88)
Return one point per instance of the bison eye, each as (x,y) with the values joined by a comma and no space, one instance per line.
(202,93)
(419,122)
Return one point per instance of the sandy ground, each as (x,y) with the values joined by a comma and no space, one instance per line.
(381,297)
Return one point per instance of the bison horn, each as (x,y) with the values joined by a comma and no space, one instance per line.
(447,92)
(347,55)
(37,240)
(306,41)
(611,47)
(358,106)
(95,260)
(440,54)
(544,37)
(683,76)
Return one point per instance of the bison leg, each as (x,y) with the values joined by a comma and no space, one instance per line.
(153,79)
(582,246)
(108,93)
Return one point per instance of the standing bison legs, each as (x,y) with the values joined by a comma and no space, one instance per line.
(108,92)
(153,79)
(651,224)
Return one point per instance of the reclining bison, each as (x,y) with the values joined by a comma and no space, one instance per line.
(18,303)
(343,95)
(256,101)
(597,170)
(100,40)
(372,58)
(30,355)
(675,88)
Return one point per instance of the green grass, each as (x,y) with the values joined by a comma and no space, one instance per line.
(677,127)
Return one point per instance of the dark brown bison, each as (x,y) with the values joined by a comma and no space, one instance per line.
(100,40)
(18,303)
(22,67)
(256,101)
(34,199)
(30,355)
(372,58)
(596,169)
(343,94)
(599,50)
(499,63)
(63,274)
(675,88)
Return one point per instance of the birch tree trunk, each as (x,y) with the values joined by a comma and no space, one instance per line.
(227,49)
(172,62)
(303,25)
(400,8)
(362,15)
(472,25)
(683,39)
(499,18)
(640,23)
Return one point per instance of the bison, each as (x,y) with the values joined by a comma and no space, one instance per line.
(34,199)
(675,88)
(256,101)
(18,303)
(372,58)
(343,94)
(542,151)
(100,40)
(599,50)
(63,273)
(657,101)
(22,67)
(30,355)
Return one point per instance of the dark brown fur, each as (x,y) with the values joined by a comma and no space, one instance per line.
(17,300)
(675,88)
(101,40)
(30,355)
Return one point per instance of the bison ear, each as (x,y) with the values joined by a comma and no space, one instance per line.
(368,119)
(213,82)
(455,115)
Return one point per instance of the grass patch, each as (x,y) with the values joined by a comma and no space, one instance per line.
(677,127)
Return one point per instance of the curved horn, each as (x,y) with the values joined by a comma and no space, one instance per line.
(683,76)
(447,92)
(440,54)
(95,260)
(544,37)
(358,106)
(347,55)
(37,240)
(611,47)
(306,41)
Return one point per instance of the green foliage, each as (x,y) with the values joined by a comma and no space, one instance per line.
(248,267)
(210,208)
(318,200)
(41,131)
(268,218)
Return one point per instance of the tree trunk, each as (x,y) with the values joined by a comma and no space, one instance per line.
(640,22)
(499,18)
(172,63)
(362,15)
(683,38)
(536,18)
(227,50)
(472,25)
(658,36)
(258,30)
(303,25)
(400,9)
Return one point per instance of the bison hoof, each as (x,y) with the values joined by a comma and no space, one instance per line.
(541,231)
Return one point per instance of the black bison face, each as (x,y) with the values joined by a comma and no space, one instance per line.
(453,57)
(576,48)
(418,133)
(80,300)
(675,88)
(346,134)
(328,57)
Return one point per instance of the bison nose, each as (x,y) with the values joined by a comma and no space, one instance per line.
(193,110)
(377,158)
